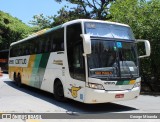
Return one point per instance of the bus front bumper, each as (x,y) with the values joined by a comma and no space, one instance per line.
(101,96)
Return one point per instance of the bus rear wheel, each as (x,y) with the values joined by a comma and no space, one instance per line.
(14,78)
(58,91)
(18,81)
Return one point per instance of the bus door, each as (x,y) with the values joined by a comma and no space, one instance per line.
(76,62)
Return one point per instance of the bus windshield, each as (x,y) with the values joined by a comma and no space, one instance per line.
(108,30)
(112,59)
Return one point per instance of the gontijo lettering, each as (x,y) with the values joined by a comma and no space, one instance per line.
(11,61)
(18,61)
(21,61)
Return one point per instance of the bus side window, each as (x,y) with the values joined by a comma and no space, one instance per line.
(27,48)
(26,51)
(47,43)
(58,42)
(31,49)
(61,39)
(52,45)
(17,50)
(40,45)
(20,51)
(35,45)
(43,45)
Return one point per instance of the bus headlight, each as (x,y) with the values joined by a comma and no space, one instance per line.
(138,84)
(95,86)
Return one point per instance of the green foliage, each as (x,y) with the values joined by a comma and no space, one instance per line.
(95,9)
(11,30)
(142,16)
(40,21)
(144,19)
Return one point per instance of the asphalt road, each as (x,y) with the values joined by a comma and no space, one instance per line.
(29,100)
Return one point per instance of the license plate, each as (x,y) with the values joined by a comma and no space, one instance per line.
(119,96)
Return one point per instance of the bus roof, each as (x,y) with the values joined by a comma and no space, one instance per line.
(92,20)
(44,31)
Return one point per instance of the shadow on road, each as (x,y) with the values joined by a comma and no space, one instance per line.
(70,105)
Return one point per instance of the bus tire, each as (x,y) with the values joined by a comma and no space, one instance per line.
(18,80)
(15,78)
(59,91)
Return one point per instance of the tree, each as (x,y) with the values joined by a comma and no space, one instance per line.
(95,9)
(144,19)
(11,30)
(40,21)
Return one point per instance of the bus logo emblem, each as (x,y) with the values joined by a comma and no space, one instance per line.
(74,91)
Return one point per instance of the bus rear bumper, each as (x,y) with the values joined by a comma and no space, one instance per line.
(93,96)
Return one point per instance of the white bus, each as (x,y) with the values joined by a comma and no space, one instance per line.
(90,61)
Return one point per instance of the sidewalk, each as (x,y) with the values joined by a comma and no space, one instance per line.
(5,76)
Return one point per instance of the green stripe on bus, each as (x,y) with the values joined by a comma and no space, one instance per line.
(37,61)
(119,83)
(44,60)
(38,70)
(35,74)
(126,82)
(42,66)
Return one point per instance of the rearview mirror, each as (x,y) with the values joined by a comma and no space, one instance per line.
(147,47)
(86,44)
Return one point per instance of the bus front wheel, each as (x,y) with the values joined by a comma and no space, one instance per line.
(58,91)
